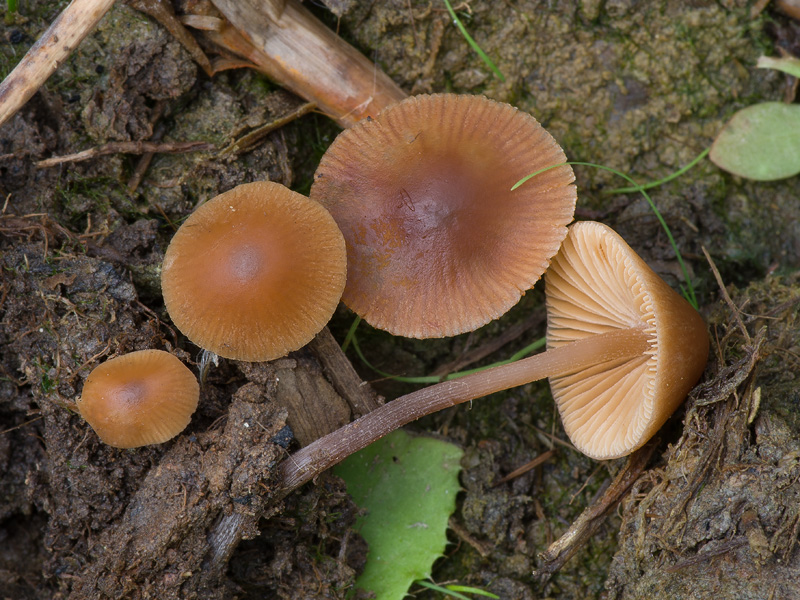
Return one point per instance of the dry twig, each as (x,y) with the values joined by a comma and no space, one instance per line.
(125,148)
(593,516)
(247,141)
(542,458)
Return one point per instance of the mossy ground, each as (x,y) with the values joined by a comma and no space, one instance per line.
(641,87)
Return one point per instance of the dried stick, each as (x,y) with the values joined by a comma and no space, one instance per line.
(300,53)
(125,148)
(163,12)
(47,54)
(532,464)
(247,141)
(594,515)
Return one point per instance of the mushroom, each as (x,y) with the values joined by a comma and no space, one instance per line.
(254,273)
(624,349)
(141,398)
(598,285)
(437,245)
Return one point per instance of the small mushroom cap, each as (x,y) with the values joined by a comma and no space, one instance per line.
(141,398)
(437,243)
(254,273)
(597,284)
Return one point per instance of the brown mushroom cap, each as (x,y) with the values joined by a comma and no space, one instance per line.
(141,398)
(597,284)
(254,273)
(437,244)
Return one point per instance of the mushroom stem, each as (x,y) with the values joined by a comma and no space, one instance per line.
(46,55)
(331,449)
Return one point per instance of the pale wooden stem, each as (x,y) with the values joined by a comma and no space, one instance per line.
(302,54)
(307,463)
(47,54)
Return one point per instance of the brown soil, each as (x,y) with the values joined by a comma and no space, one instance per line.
(642,87)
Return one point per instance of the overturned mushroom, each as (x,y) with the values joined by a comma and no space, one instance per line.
(616,334)
(436,243)
(598,285)
(141,398)
(254,273)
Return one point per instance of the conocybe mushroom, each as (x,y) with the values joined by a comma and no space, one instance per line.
(141,398)
(437,244)
(624,349)
(598,285)
(254,273)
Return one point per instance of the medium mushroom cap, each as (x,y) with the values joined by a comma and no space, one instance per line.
(254,273)
(141,398)
(437,243)
(598,284)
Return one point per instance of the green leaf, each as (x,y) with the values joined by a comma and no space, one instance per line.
(787,64)
(760,142)
(408,486)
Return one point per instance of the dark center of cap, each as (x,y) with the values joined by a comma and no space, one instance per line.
(131,393)
(245,263)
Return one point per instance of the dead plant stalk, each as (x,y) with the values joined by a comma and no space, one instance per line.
(47,54)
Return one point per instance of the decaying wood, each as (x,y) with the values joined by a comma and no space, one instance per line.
(313,406)
(361,397)
(47,54)
(303,55)
(299,386)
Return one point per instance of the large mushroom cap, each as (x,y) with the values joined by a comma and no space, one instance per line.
(437,244)
(254,273)
(141,398)
(597,284)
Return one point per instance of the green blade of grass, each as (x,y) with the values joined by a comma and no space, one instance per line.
(471,590)
(652,184)
(455,590)
(436,378)
(688,292)
(351,333)
(441,590)
(357,348)
(473,44)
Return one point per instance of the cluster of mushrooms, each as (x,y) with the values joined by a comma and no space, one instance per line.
(413,224)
